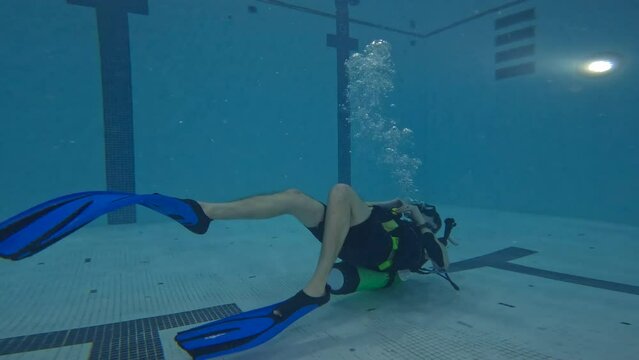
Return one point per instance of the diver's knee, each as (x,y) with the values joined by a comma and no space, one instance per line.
(295,195)
(341,191)
(296,198)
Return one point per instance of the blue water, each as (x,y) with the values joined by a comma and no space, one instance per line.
(232,98)
(227,102)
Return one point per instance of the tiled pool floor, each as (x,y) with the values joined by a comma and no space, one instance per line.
(532,287)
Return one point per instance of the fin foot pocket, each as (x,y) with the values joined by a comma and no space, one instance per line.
(299,300)
(202,225)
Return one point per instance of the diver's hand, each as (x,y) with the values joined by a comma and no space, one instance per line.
(412,211)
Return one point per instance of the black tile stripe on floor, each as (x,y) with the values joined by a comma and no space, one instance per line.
(134,339)
(501,260)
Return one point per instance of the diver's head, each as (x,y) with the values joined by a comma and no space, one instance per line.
(433,220)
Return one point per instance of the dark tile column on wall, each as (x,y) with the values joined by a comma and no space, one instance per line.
(343,43)
(115,57)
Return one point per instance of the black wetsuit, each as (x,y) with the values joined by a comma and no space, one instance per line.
(368,245)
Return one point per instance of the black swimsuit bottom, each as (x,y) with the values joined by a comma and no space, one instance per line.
(367,244)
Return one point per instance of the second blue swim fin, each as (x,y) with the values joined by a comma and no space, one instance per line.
(37,228)
(248,329)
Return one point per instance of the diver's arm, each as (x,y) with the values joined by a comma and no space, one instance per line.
(395,203)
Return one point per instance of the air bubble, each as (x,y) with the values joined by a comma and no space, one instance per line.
(371,81)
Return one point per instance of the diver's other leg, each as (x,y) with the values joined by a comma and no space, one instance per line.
(345,209)
(307,210)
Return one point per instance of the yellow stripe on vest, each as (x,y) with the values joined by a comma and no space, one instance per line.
(389,262)
(390,225)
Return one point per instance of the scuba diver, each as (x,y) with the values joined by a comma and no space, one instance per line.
(371,236)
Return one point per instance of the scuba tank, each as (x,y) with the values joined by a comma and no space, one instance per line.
(346,278)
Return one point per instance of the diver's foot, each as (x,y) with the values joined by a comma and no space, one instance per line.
(300,300)
(203,222)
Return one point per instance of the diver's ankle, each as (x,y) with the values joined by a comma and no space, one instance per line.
(207,208)
(315,291)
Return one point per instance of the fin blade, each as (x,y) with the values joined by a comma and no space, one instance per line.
(37,228)
(238,332)
(42,225)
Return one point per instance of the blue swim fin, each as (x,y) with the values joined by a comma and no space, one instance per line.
(248,329)
(37,228)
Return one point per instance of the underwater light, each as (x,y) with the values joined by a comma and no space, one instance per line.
(600,66)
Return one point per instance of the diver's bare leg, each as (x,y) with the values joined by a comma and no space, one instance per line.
(345,209)
(307,210)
